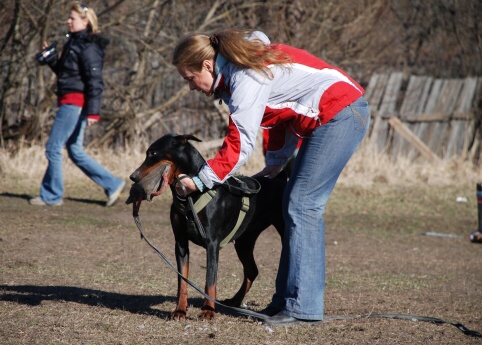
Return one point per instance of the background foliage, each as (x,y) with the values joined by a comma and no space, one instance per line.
(145,97)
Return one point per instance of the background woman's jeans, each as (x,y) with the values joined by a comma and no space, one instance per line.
(300,281)
(68,130)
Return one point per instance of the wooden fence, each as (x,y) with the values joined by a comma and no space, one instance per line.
(421,116)
(417,117)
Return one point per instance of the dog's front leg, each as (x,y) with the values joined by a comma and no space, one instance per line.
(182,259)
(212,257)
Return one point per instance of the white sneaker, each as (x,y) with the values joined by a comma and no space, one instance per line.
(37,201)
(115,196)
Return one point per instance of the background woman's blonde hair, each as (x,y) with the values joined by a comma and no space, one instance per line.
(88,13)
(194,48)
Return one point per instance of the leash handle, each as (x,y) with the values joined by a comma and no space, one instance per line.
(178,182)
(244,187)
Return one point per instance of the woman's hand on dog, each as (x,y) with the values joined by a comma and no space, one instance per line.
(188,183)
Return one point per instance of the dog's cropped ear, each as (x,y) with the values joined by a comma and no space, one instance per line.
(185,137)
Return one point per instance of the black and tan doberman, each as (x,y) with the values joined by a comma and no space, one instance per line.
(227,214)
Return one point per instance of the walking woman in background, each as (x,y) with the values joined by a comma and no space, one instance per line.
(296,95)
(79,90)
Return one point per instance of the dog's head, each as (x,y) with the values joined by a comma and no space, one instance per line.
(166,158)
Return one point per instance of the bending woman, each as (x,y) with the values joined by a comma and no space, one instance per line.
(296,95)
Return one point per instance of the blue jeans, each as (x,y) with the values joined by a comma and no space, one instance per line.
(300,282)
(68,130)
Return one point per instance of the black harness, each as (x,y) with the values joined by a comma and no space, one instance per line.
(190,210)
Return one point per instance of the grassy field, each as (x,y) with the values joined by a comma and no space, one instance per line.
(79,273)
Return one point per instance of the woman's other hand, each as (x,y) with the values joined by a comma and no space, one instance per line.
(270,171)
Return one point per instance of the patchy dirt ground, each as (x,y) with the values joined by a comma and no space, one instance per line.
(79,273)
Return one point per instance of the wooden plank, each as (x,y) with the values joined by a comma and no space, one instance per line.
(466,100)
(412,106)
(411,98)
(461,132)
(373,139)
(435,117)
(433,97)
(390,96)
(372,84)
(416,95)
(413,139)
(420,130)
(424,96)
(449,95)
(375,90)
(387,108)
(423,130)
(438,131)
(373,95)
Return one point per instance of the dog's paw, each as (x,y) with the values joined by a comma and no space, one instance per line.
(207,314)
(178,315)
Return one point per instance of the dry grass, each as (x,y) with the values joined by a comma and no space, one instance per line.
(364,169)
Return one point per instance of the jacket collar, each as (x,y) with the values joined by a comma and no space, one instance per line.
(77,34)
(221,61)
(100,40)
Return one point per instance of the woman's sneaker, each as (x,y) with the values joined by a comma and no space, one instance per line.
(115,196)
(37,201)
(476,236)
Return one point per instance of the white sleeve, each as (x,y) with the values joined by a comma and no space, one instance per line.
(250,92)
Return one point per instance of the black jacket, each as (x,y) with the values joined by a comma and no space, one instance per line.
(79,68)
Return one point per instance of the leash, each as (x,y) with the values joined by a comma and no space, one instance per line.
(191,206)
(246,312)
(430,319)
(266,318)
(439,234)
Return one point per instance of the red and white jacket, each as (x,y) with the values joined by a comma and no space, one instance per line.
(300,97)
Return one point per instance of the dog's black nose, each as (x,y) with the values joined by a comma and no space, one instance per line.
(134,176)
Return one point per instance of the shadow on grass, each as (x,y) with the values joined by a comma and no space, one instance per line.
(33,295)
(18,196)
(28,196)
(87,201)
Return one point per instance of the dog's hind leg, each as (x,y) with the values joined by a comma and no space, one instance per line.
(244,248)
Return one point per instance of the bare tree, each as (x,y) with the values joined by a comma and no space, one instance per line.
(144,96)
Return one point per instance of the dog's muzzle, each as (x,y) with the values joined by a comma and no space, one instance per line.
(153,184)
